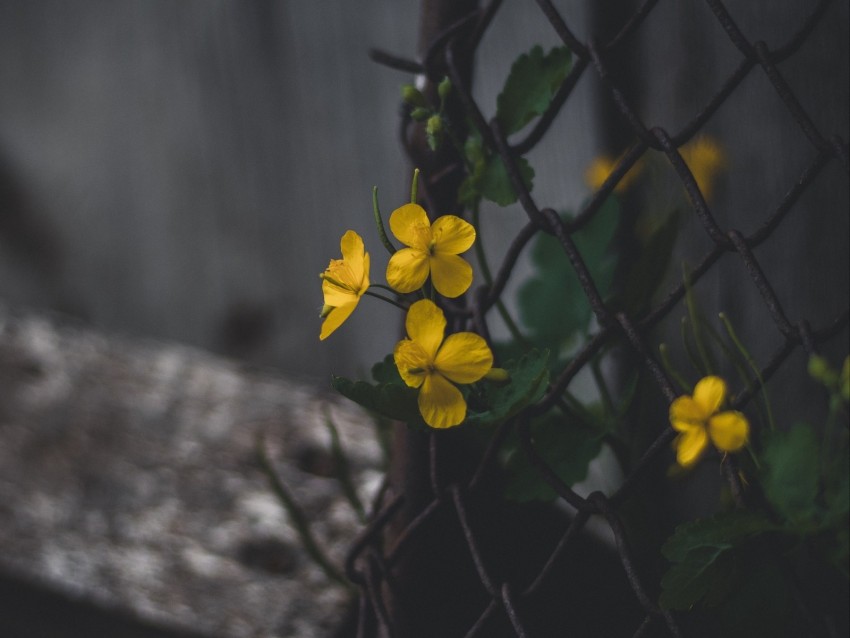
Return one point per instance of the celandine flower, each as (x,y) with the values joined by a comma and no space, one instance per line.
(698,419)
(431,249)
(344,282)
(428,362)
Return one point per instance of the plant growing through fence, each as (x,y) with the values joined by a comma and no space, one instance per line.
(773,559)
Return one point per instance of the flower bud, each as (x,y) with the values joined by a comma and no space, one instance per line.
(434,125)
(413,96)
(444,88)
(420,113)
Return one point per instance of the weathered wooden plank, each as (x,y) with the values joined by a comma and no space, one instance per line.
(128,479)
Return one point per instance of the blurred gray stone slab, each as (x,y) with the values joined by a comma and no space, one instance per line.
(129,480)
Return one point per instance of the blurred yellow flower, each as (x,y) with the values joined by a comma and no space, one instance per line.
(431,249)
(698,418)
(427,361)
(344,282)
(705,158)
(601,167)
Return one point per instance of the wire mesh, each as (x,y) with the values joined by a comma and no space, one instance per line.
(373,559)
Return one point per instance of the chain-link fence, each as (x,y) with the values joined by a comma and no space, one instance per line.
(396,547)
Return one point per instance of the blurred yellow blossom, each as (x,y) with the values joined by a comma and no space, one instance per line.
(427,361)
(344,282)
(601,167)
(431,249)
(698,419)
(705,158)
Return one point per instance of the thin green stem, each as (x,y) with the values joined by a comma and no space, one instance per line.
(663,350)
(343,470)
(692,357)
(296,516)
(383,287)
(749,359)
(696,326)
(753,457)
(382,233)
(414,186)
(387,299)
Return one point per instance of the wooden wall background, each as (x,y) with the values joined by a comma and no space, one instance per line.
(184,169)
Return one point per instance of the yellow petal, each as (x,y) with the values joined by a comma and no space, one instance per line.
(410,224)
(709,394)
(440,403)
(364,275)
(336,317)
(353,251)
(464,358)
(336,296)
(686,413)
(407,270)
(450,274)
(412,362)
(729,430)
(426,325)
(452,235)
(690,445)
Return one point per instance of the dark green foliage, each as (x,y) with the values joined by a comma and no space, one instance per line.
(532,83)
(553,305)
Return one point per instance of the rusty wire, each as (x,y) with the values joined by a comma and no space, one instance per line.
(370,563)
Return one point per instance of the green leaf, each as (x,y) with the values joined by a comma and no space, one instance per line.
(488,177)
(529,377)
(553,305)
(703,558)
(392,400)
(496,186)
(532,83)
(759,602)
(790,476)
(568,450)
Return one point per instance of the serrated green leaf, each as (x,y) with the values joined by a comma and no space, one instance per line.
(528,379)
(553,305)
(568,450)
(702,554)
(705,574)
(532,83)
(722,530)
(791,474)
(496,186)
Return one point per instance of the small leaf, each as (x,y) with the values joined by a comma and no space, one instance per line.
(392,400)
(791,473)
(528,379)
(496,186)
(533,81)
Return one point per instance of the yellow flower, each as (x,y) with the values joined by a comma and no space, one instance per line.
(426,361)
(344,282)
(698,419)
(705,159)
(431,249)
(601,167)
